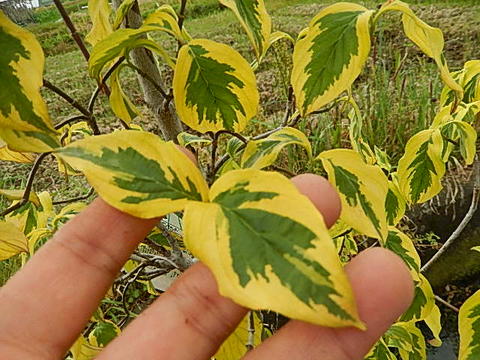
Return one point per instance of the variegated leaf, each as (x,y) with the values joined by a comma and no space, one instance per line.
(421,168)
(469,328)
(103,333)
(262,153)
(268,248)
(83,350)
(99,12)
(380,351)
(469,79)
(363,191)
(12,241)
(429,39)
(395,204)
(235,347)
(121,105)
(403,246)
(423,302)
(185,139)
(433,321)
(418,350)
(24,121)
(164,19)
(119,43)
(399,337)
(465,135)
(214,87)
(137,172)
(254,18)
(331,55)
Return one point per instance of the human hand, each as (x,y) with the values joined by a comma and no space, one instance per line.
(46,305)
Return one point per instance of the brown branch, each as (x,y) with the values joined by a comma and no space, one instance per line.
(78,198)
(181,15)
(468,216)
(70,120)
(73,31)
(66,97)
(447,304)
(29,186)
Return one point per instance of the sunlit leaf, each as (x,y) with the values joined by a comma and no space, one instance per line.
(363,190)
(24,121)
(103,333)
(99,12)
(254,18)
(83,350)
(395,204)
(214,87)
(418,350)
(122,12)
(380,351)
(466,135)
(429,39)
(137,172)
(469,79)
(268,248)
(262,153)
(331,55)
(9,155)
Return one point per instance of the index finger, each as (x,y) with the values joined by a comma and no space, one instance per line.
(49,301)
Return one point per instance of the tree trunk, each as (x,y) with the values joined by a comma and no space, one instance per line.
(162,108)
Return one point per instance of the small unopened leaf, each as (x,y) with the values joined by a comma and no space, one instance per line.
(262,153)
(254,18)
(12,241)
(395,204)
(399,337)
(137,172)
(469,328)
(214,87)
(433,321)
(119,101)
(429,39)
(421,168)
(24,121)
(185,139)
(363,190)
(330,55)
(268,248)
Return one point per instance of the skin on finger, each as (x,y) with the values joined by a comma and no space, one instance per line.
(322,194)
(47,304)
(191,320)
(383,288)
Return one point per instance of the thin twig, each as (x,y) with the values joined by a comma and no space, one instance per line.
(149,78)
(29,186)
(468,216)
(70,120)
(66,97)
(238,136)
(283,170)
(73,31)
(447,304)
(181,15)
(78,198)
